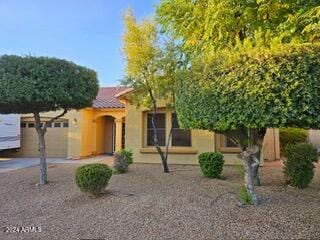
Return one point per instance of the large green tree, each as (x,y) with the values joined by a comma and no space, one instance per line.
(151,65)
(217,38)
(253,91)
(40,84)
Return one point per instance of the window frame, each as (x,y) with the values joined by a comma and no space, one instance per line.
(168,123)
(188,131)
(147,129)
(221,145)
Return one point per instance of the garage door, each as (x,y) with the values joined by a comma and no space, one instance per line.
(56,140)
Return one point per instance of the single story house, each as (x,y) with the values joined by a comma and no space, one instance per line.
(112,123)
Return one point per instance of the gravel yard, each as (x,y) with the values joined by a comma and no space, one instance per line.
(147,204)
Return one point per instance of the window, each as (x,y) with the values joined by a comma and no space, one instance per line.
(226,144)
(57,124)
(31,125)
(230,143)
(160,122)
(180,137)
(23,125)
(65,124)
(49,125)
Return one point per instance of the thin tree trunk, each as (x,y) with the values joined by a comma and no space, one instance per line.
(42,149)
(256,165)
(157,145)
(258,136)
(251,159)
(168,143)
(155,135)
(249,176)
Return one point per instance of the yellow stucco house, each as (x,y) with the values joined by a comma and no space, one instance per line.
(113,123)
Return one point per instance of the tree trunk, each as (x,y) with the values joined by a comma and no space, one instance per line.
(256,178)
(250,141)
(156,142)
(43,163)
(257,140)
(249,165)
(42,150)
(165,164)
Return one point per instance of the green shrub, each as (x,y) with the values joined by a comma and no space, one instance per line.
(93,178)
(127,155)
(291,136)
(244,196)
(211,164)
(299,165)
(122,160)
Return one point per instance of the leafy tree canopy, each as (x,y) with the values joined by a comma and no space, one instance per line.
(40,84)
(255,89)
(248,68)
(208,26)
(151,62)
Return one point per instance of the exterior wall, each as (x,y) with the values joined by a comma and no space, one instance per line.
(88,138)
(202,141)
(30,144)
(314,138)
(87,135)
(97,130)
(135,123)
(271,145)
(60,142)
(74,134)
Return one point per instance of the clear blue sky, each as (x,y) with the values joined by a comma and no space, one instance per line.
(87,32)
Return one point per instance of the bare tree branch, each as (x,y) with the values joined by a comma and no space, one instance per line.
(53,119)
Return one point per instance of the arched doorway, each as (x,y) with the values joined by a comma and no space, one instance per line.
(105,135)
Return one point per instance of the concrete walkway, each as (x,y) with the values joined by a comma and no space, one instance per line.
(10,164)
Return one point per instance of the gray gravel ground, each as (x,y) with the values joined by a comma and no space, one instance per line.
(147,204)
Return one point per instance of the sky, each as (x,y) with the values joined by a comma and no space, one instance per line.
(87,32)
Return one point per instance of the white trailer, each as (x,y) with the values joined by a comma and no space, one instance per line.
(9,131)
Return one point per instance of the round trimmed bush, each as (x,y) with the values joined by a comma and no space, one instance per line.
(93,178)
(299,165)
(211,164)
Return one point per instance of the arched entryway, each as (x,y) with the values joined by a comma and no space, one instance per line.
(109,134)
(105,135)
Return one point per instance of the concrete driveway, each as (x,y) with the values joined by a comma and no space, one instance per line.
(10,164)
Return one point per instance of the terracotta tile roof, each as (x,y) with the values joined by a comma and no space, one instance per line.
(107,97)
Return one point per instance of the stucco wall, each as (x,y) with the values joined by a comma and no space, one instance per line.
(202,141)
(314,138)
(61,142)
(30,143)
(96,130)
(87,136)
